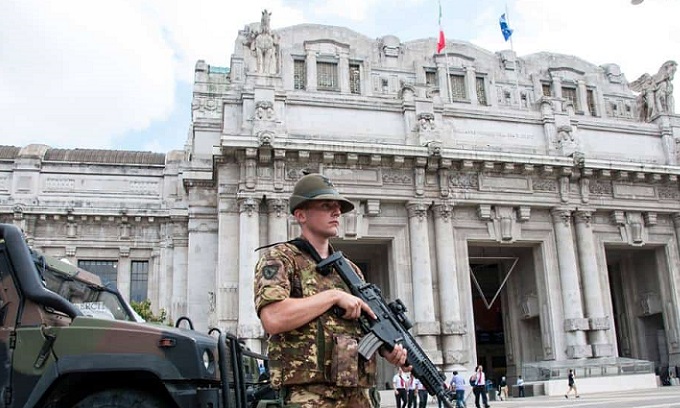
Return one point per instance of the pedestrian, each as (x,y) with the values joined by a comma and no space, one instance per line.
(458,385)
(479,388)
(572,384)
(296,304)
(503,388)
(422,394)
(520,386)
(412,395)
(400,382)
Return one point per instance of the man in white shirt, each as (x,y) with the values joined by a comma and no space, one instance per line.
(400,383)
(479,388)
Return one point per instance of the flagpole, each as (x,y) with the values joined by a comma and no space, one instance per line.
(512,48)
(448,70)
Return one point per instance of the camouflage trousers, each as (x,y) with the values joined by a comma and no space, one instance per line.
(326,396)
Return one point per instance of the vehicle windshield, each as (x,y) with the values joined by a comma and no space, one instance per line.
(83,289)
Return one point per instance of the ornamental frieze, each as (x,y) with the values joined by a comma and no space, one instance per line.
(544,184)
(668,192)
(400,177)
(601,187)
(464,180)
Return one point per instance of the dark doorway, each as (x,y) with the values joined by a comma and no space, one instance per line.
(636,302)
(488,317)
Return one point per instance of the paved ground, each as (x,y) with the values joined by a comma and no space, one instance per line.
(663,397)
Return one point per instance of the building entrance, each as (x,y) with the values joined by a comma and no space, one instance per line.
(502,280)
(637,303)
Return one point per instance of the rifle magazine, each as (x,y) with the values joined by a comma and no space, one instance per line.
(369,344)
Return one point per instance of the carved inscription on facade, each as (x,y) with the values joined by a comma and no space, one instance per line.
(489,182)
(621,190)
(144,187)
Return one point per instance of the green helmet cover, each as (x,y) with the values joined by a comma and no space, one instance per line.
(317,187)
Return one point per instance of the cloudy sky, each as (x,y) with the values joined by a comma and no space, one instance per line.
(116,74)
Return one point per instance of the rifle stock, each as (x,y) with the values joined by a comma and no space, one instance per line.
(389,328)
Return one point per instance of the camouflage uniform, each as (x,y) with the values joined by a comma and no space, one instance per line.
(318,363)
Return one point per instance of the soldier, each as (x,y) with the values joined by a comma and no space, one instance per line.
(309,315)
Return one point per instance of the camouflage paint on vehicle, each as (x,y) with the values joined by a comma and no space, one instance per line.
(52,355)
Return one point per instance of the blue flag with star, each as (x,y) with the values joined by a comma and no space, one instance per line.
(505,29)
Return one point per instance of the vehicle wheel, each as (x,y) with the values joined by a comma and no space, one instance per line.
(120,398)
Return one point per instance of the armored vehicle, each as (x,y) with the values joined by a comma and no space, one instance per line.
(66,340)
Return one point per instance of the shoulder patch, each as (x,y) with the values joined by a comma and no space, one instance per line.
(269,271)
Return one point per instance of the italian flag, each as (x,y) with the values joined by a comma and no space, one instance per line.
(441,44)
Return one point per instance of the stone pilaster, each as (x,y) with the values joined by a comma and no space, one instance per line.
(574,323)
(452,328)
(443,78)
(249,326)
(277,220)
(582,97)
(425,325)
(311,70)
(471,79)
(592,291)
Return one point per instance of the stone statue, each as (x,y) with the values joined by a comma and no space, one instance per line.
(265,44)
(655,93)
(664,87)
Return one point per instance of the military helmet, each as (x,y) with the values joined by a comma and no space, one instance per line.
(317,187)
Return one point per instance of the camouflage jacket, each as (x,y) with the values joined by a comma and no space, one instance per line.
(323,351)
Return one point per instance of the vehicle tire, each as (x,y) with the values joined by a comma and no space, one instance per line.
(120,398)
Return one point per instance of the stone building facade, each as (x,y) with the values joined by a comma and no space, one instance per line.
(525,209)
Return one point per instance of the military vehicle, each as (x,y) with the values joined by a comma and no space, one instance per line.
(66,340)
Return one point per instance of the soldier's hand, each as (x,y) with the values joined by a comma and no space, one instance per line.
(353,306)
(397,356)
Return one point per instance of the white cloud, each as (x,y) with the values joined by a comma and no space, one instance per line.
(77,73)
(83,73)
(637,38)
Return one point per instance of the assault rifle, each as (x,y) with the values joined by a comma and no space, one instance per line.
(389,328)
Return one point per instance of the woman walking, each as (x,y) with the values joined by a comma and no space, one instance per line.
(572,384)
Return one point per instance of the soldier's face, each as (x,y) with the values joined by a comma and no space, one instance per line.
(321,218)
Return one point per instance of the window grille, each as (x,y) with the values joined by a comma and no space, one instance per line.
(107,270)
(139,281)
(327,76)
(570,95)
(481,91)
(547,91)
(431,78)
(355,79)
(299,74)
(458,87)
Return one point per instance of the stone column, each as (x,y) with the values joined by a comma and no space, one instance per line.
(202,265)
(180,260)
(424,325)
(574,323)
(277,220)
(311,71)
(249,327)
(592,291)
(124,272)
(452,327)
(471,79)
